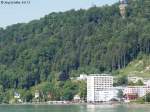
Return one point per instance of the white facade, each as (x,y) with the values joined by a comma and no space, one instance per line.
(82,77)
(139,90)
(16,95)
(76,97)
(105,95)
(99,88)
(147,83)
(37,94)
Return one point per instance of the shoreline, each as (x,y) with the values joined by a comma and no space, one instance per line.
(86,104)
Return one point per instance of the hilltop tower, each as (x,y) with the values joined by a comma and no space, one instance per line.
(122,7)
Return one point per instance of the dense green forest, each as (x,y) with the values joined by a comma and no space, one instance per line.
(64,44)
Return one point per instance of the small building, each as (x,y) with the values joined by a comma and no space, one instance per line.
(16,95)
(37,94)
(76,98)
(133,92)
(82,77)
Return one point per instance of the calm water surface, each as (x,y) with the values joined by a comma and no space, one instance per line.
(74,108)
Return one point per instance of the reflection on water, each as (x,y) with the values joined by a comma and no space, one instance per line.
(74,108)
(100,108)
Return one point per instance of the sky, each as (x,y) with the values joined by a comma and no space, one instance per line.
(23,13)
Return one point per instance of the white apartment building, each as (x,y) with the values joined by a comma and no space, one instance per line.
(99,88)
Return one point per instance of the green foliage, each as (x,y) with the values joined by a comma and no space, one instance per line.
(82,89)
(130,83)
(69,90)
(140,83)
(28,96)
(147,98)
(138,67)
(140,100)
(1,94)
(1,97)
(120,94)
(144,99)
(121,80)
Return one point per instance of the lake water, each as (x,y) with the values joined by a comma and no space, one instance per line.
(74,108)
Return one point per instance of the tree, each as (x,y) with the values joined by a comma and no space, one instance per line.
(69,90)
(120,94)
(63,76)
(147,97)
(83,89)
(122,80)
(28,96)
(140,83)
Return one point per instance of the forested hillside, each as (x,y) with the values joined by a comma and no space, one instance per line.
(66,43)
